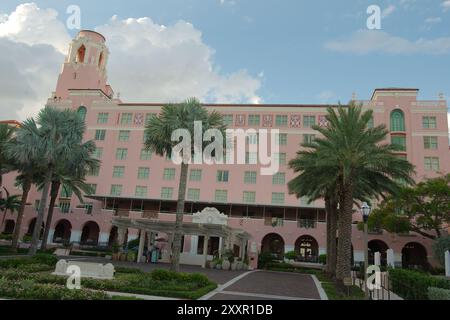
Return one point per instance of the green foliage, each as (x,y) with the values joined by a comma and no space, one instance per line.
(413,285)
(128,270)
(440,246)
(438,294)
(133,243)
(323,259)
(291,255)
(264,258)
(46,259)
(7,237)
(38,261)
(228,255)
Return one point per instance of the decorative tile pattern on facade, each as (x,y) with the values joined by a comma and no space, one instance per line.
(323,122)
(296,121)
(139,119)
(268,120)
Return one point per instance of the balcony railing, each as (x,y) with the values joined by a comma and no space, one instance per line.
(307,224)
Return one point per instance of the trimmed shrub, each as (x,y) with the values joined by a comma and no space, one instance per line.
(438,294)
(413,285)
(44,258)
(265,258)
(291,255)
(323,259)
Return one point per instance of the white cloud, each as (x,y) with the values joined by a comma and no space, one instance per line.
(326,96)
(149,62)
(375,41)
(446,5)
(388,11)
(433,20)
(227,2)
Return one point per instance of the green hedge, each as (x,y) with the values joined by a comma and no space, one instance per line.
(38,259)
(413,285)
(438,294)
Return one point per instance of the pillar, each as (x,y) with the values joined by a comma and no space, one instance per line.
(377,259)
(205,250)
(220,247)
(141,246)
(242,251)
(121,237)
(447,263)
(390,258)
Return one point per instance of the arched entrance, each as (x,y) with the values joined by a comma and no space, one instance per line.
(63,231)
(377,246)
(90,234)
(112,236)
(273,243)
(307,249)
(9,227)
(31,228)
(414,256)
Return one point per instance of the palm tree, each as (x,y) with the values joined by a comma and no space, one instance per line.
(71,175)
(159,140)
(6,133)
(365,166)
(9,203)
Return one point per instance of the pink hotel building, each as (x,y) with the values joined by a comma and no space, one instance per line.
(134,183)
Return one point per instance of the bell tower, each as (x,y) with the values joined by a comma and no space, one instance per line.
(85,65)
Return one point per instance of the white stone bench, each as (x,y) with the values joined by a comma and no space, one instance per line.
(87,269)
(62,252)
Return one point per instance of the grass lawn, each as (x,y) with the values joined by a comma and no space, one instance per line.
(31,278)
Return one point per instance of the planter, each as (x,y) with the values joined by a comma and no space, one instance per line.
(212,264)
(244,267)
(239,266)
(234,266)
(226,265)
(218,266)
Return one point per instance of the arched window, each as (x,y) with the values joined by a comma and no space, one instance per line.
(81,54)
(397,121)
(82,113)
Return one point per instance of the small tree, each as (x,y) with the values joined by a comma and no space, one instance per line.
(440,246)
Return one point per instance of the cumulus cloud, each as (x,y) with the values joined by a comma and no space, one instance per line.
(149,62)
(446,5)
(433,20)
(376,41)
(388,11)
(152,62)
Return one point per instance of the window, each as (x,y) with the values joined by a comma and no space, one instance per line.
(196,175)
(228,120)
(280,158)
(141,191)
(81,54)
(126,119)
(66,191)
(148,116)
(251,158)
(429,122)
(166,193)
(250,177)
(100,135)
(93,188)
(399,141)
(430,142)
(169,174)
(397,121)
(121,154)
(82,111)
(118,172)
(254,120)
(94,171)
(277,198)
(432,164)
(102,118)
(309,121)
(281,121)
(193,194)
(279,178)
(146,154)
(221,196)
(116,189)
(249,197)
(308,138)
(143,173)
(145,136)
(124,135)
(370,124)
(98,153)
(281,139)
(222,176)
(252,138)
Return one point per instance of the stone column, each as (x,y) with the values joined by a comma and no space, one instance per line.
(377,259)
(390,258)
(220,247)
(141,246)
(447,263)
(205,250)
(242,253)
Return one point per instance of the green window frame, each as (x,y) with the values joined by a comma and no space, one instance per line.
(432,164)
(429,122)
(82,112)
(397,121)
(146,155)
(195,175)
(251,157)
(116,190)
(399,141)
(250,177)
(254,120)
(309,138)
(141,191)
(94,171)
(102,118)
(281,139)
(100,135)
(169,174)
(281,120)
(228,120)
(166,193)
(309,121)
(126,119)
(121,154)
(278,198)
(280,158)
(143,173)
(93,188)
(249,197)
(252,138)
(98,153)
(118,171)
(193,194)
(221,196)
(279,178)
(223,176)
(430,143)
(124,135)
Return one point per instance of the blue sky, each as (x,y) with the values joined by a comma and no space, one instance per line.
(302,51)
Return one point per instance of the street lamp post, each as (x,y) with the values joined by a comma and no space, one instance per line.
(365,210)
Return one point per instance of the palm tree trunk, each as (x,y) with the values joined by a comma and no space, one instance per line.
(179,218)
(3,220)
(345,236)
(331,237)
(26,189)
(53,195)
(41,212)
